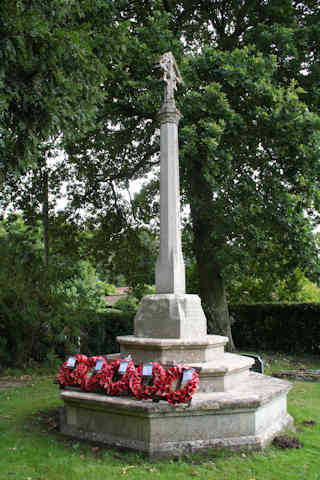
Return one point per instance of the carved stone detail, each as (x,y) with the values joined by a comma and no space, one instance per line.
(171,76)
(169,116)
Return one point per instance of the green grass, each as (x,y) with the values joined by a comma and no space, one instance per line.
(32,448)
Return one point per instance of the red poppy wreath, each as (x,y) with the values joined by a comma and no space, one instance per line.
(91,380)
(141,391)
(187,388)
(116,380)
(72,371)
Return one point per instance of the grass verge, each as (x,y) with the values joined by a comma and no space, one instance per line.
(31,448)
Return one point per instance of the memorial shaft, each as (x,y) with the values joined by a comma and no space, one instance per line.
(170,270)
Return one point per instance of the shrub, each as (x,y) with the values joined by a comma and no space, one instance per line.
(102,330)
(287,328)
(127,304)
(43,310)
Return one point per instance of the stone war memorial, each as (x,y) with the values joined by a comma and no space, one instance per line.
(233,407)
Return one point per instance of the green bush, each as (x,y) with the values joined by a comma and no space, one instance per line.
(127,304)
(43,309)
(142,289)
(287,328)
(102,330)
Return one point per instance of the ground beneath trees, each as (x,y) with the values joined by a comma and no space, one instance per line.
(12,382)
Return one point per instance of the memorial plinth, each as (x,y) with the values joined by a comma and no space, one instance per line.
(233,407)
(246,418)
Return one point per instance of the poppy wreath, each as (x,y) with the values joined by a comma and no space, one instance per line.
(143,392)
(68,376)
(120,386)
(91,383)
(185,393)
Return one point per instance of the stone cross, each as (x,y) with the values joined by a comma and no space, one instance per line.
(170,270)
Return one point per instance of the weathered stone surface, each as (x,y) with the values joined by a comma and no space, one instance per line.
(170,270)
(169,350)
(248,417)
(170,316)
(224,373)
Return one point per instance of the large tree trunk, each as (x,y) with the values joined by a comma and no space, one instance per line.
(211,283)
(212,288)
(213,296)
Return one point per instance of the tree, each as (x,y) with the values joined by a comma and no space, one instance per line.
(250,153)
(51,70)
(249,134)
(43,310)
(56,54)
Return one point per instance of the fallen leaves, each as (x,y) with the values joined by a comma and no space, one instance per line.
(125,469)
(194,473)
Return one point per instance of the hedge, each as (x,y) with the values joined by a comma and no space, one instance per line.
(286,328)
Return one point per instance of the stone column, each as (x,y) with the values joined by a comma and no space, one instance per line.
(170,270)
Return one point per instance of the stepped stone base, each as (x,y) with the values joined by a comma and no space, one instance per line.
(223,374)
(233,407)
(171,350)
(247,417)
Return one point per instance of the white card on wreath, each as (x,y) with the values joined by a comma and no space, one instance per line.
(187,375)
(71,362)
(98,366)
(147,369)
(123,367)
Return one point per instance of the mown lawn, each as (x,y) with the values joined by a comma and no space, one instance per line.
(31,448)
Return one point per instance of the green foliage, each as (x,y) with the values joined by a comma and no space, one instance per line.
(249,154)
(108,288)
(249,134)
(249,137)
(133,255)
(50,72)
(295,287)
(288,328)
(43,310)
(127,304)
(309,292)
(141,290)
(99,335)
(85,291)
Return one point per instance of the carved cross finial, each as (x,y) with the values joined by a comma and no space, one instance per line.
(171,75)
